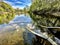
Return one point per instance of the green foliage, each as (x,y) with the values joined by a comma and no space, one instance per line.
(6,7)
(18,11)
(48,6)
(45,4)
(6,13)
(1,9)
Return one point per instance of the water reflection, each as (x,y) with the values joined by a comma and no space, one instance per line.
(14,33)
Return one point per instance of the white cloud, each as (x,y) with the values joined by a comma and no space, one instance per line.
(29,4)
(17,6)
(19,2)
(8,2)
(20,7)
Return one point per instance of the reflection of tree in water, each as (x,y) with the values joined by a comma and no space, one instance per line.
(28,38)
(31,39)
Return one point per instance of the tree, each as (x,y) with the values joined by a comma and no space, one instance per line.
(6,12)
(46,13)
(43,8)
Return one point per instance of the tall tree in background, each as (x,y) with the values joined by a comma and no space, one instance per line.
(43,8)
(46,13)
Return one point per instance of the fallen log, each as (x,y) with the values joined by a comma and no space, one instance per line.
(43,36)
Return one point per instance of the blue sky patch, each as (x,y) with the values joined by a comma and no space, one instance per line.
(18,3)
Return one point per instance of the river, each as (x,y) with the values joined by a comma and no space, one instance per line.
(15,33)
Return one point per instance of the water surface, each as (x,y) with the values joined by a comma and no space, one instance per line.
(15,33)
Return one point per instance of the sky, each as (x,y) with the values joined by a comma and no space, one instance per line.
(18,3)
